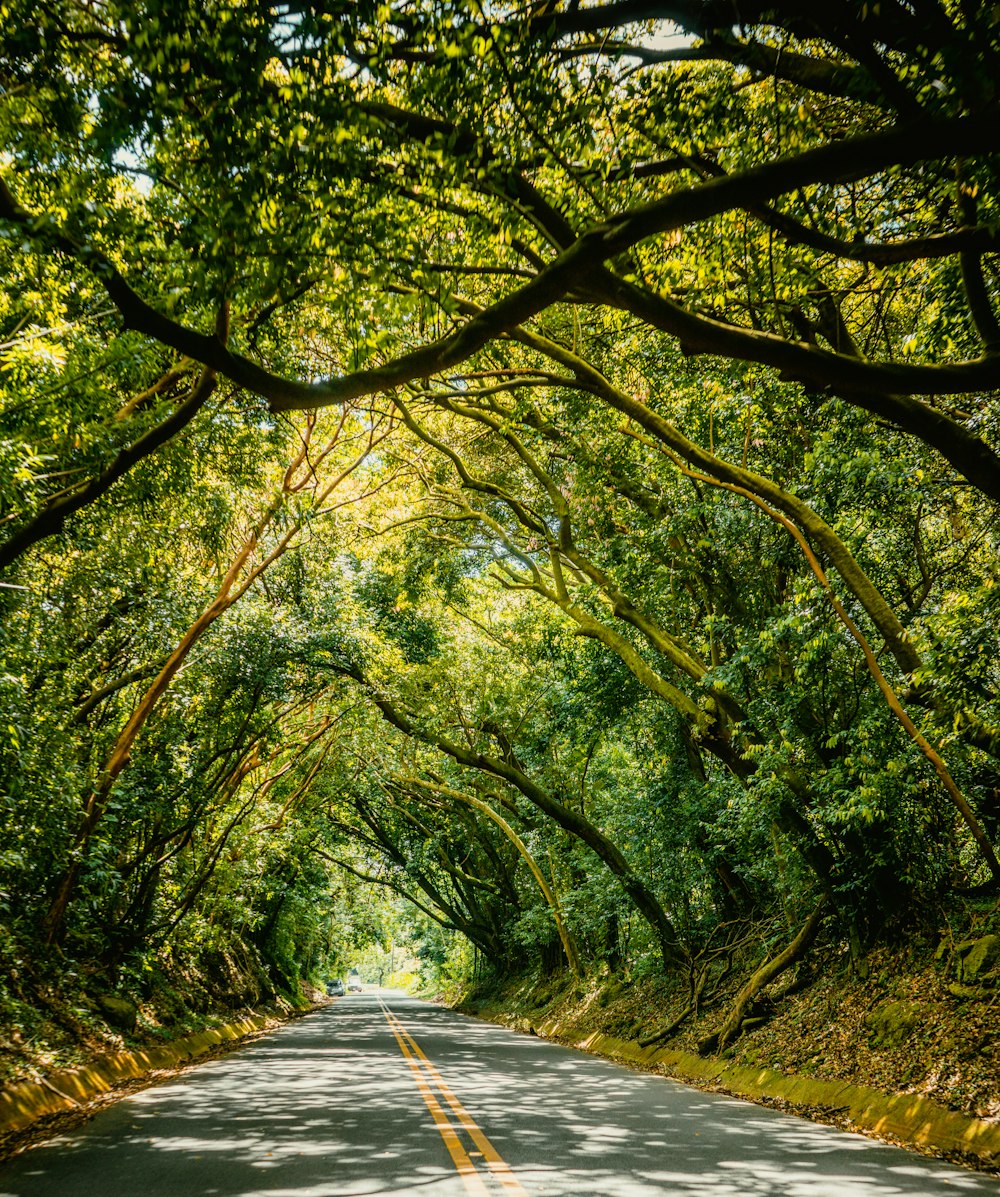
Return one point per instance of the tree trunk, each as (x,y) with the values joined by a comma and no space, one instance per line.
(767,972)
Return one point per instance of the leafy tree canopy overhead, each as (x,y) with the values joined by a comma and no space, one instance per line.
(811,191)
(633,572)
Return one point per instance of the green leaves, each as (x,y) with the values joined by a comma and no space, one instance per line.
(541,572)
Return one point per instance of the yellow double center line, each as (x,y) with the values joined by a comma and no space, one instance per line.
(428,1079)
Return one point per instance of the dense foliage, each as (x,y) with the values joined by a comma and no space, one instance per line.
(539,459)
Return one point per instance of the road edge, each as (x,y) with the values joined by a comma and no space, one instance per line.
(907,1118)
(25,1102)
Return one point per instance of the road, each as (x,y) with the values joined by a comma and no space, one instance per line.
(381,1094)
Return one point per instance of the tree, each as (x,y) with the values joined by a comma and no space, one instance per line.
(919,104)
(678,550)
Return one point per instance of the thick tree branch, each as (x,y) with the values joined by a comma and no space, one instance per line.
(54,514)
(834,163)
(882,389)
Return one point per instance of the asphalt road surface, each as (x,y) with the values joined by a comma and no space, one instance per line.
(381,1094)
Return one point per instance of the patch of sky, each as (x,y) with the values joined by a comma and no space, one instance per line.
(665,35)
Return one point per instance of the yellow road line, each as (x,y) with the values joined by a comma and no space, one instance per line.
(494,1161)
(464,1166)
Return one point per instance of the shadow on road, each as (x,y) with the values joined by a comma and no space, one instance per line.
(327,1107)
(324,1107)
(576,1124)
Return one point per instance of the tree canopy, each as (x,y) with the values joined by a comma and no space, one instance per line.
(538,458)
